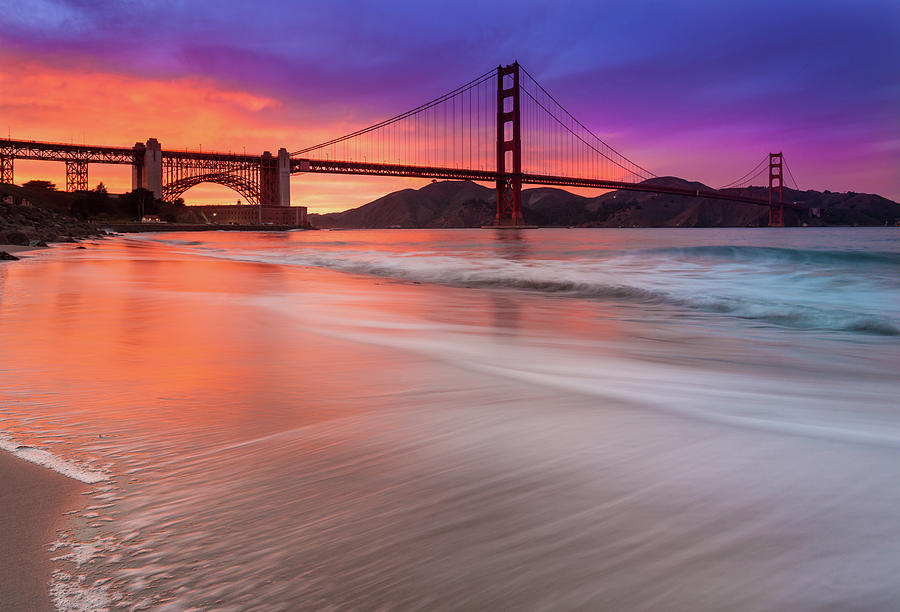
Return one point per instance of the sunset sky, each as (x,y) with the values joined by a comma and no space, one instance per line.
(700,90)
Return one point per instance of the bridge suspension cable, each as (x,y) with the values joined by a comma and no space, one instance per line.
(455,130)
(458,131)
(745,180)
(790,174)
(556,143)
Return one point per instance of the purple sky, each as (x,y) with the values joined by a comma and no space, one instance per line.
(696,89)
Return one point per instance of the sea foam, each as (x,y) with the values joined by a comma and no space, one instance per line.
(47,459)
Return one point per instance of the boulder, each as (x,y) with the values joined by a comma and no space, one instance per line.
(16,237)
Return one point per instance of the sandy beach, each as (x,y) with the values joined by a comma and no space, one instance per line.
(32,502)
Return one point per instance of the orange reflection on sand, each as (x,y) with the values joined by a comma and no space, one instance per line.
(162,336)
(149,334)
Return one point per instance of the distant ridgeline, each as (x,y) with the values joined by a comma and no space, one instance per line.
(467,204)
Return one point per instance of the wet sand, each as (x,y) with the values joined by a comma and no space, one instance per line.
(32,502)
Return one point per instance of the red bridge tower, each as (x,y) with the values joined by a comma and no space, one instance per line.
(776,210)
(509,148)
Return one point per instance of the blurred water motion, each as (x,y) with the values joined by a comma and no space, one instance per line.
(557,419)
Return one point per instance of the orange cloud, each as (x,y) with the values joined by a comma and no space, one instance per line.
(81,103)
(43,102)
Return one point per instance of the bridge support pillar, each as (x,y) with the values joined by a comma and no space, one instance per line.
(152,172)
(284,177)
(776,216)
(268,180)
(509,148)
(6,170)
(137,166)
(76,176)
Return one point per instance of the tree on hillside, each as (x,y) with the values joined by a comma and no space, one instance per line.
(91,204)
(40,185)
(138,203)
(100,188)
(171,211)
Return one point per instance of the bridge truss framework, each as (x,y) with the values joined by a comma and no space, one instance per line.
(260,179)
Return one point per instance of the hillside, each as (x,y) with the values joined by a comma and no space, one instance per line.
(467,204)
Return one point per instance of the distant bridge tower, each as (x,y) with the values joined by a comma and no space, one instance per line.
(509,147)
(776,207)
(284,177)
(137,166)
(268,179)
(275,179)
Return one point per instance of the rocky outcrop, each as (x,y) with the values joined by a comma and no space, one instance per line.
(31,226)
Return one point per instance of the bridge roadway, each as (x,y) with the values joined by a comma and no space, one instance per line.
(101,154)
(58,151)
(377,169)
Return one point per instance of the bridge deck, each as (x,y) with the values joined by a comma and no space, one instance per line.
(59,151)
(376,169)
(56,151)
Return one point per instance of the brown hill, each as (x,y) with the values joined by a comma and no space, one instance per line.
(467,204)
(440,204)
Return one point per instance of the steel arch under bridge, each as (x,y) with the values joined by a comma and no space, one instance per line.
(249,189)
(255,177)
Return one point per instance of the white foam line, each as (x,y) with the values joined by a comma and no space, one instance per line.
(49,460)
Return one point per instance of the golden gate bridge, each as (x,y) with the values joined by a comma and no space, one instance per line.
(502,127)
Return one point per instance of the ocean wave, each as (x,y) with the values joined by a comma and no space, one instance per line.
(657,280)
(805,317)
(597,284)
(778,255)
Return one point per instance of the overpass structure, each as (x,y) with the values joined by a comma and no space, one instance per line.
(261,179)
